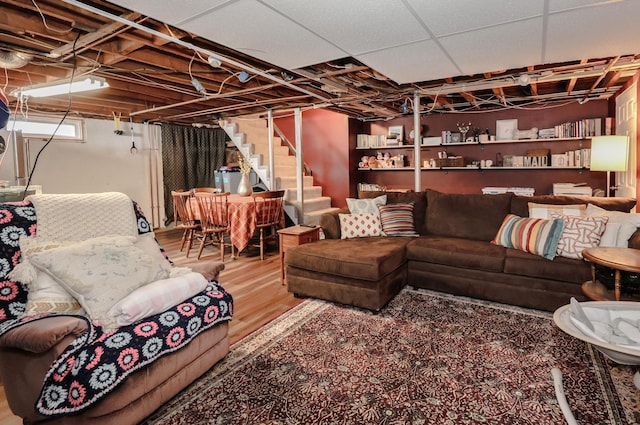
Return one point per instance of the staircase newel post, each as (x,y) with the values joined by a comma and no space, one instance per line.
(299,166)
(417,141)
(272,179)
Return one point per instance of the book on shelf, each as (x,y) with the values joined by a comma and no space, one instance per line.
(587,127)
(580,158)
(371,141)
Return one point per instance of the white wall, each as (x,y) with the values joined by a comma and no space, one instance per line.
(103,163)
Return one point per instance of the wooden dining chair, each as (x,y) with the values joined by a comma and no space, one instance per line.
(214,220)
(268,216)
(207,190)
(184,217)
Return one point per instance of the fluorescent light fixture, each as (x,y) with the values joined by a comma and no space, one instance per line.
(63,87)
(609,153)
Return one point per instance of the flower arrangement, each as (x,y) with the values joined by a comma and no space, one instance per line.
(245,165)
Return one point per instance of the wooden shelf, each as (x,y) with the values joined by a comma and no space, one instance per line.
(502,168)
(387,169)
(494,142)
(498,142)
(385,147)
(474,168)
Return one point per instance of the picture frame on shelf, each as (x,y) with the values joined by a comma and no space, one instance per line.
(396,132)
(505,129)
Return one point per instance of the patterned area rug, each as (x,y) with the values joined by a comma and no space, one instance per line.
(427,358)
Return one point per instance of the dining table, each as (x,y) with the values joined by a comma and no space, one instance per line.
(242,224)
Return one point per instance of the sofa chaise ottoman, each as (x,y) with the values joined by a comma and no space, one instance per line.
(452,252)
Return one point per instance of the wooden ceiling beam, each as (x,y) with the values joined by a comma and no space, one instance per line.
(90,39)
(533,85)
(571,84)
(611,79)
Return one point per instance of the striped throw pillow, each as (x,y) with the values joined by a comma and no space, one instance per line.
(535,235)
(397,219)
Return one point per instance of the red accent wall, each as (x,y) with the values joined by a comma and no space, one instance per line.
(472,181)
(328,139)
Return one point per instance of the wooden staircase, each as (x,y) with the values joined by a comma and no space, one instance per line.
(251,136)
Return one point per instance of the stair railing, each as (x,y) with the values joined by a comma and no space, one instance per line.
(306,169)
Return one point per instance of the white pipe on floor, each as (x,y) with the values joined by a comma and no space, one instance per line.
(562,400)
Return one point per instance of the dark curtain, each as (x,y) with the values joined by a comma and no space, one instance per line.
(189,158)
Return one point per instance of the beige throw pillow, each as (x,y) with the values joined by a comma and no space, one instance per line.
(545,210)
(100,272)
(45,293)
(619,228)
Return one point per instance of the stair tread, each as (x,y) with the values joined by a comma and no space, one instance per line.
(245,134)
(322,211)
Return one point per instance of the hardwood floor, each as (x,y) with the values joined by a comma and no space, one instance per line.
(254,284)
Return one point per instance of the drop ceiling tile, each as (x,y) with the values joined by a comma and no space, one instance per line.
(420,61)
(356,26)
(252,28)
(450,17)
(560,5)
(501,47)
(171,12)
(603,31)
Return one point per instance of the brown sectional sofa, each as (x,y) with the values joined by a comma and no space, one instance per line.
(453,254)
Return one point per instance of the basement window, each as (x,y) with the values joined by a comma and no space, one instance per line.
(71,129)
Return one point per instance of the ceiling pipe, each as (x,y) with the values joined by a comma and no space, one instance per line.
(205,52)
(509,81)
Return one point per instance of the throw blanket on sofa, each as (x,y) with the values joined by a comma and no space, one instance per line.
(102,214)
(97,362)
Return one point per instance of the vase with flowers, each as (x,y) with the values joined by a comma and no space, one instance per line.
(244,187)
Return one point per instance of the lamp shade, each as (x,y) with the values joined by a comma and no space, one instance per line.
(609,153)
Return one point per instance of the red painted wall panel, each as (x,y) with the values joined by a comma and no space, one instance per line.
(326,149)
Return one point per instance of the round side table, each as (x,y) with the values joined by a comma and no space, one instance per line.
(618,259)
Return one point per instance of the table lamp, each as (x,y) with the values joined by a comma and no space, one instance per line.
(609,153)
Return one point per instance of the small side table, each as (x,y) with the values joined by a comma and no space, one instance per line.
(619,259)
(294,236)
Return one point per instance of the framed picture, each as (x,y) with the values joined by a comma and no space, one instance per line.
(395,132)
(505,129)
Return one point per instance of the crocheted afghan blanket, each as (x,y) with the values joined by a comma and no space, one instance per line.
(97,361)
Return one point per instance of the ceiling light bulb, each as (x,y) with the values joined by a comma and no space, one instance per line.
(524,79)
(216,63)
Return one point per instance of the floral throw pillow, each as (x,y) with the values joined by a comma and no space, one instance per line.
(100,272)
(359,225)
(366,205)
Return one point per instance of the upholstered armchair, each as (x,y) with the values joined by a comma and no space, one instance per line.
(77,366)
